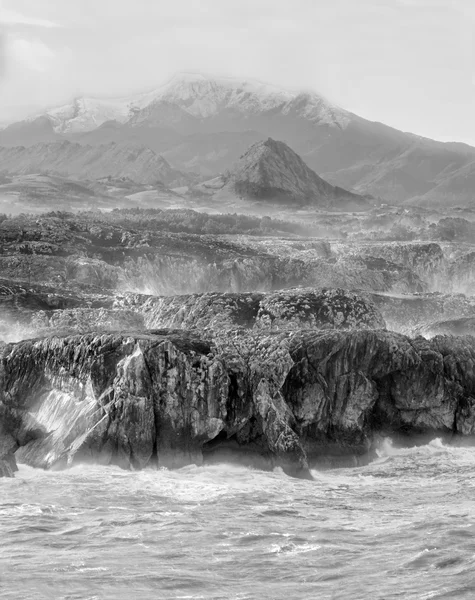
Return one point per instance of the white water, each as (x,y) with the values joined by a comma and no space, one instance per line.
(402,527)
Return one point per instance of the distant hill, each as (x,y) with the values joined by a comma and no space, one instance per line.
(270,171)
(129,160)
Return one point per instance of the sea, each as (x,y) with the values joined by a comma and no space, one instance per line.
(401,527)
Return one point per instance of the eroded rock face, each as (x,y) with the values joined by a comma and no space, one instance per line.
(140,400)
(344,387)
(293,309)
(167,396)
(99,387)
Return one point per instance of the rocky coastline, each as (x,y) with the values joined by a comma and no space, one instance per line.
(248,367)
(172,397)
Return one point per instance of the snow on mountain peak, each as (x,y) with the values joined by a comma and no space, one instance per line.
(201,97)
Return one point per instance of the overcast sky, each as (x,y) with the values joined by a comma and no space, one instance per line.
(407,63)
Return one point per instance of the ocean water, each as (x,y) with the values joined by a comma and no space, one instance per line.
(401,527)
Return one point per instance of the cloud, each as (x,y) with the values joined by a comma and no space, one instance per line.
(11,17)
(32,54)
(3,57)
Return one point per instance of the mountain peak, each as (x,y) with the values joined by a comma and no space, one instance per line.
(271,171)
(275,145)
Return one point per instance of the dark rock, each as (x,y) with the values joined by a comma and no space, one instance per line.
(8,467)
(170,397)
(8,445)
(344,387)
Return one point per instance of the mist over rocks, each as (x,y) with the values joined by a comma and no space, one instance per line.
(169,398)
(32,309)
(414,314)
(458,327)
(422,257)
(97,252)
(128,252)
(461,273)
(68,322)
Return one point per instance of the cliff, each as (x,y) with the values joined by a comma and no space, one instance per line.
(170,398)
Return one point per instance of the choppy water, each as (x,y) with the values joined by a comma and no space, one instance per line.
(402,527)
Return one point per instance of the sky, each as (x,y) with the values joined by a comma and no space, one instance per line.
(407,63)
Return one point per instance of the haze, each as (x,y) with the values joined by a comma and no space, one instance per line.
(407,63)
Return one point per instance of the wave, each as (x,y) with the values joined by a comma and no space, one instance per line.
(387,448)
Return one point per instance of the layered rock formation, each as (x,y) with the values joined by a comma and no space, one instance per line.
(38,310)
(88,251)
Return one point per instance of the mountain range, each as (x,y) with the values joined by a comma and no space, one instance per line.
(134,161)
(203,125)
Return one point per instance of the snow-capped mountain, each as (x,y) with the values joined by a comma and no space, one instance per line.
(85,114)
(196,95)
(204,124)
(204,97)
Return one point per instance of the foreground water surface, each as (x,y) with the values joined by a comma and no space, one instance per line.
(401,527)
